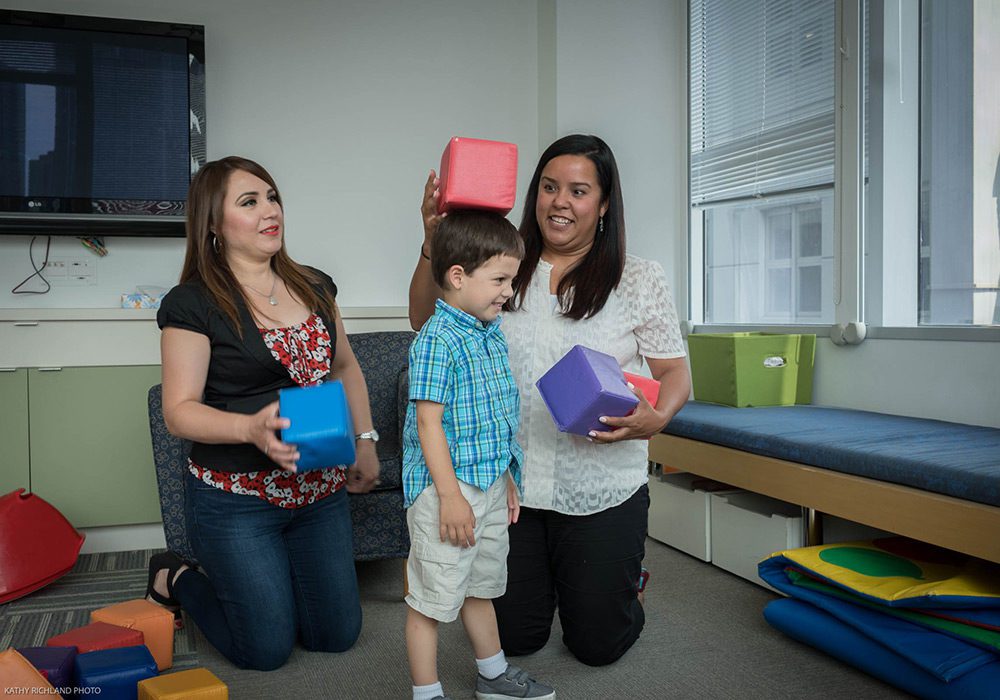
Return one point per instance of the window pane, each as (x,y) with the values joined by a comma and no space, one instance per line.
(779,293)
(810,282)
(810,232)
(779,234)
(770,261)
(959,248)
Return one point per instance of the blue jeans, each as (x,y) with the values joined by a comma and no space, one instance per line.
(273,574)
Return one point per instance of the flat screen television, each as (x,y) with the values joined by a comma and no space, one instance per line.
(102,124)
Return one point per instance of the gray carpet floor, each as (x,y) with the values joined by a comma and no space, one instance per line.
(704,638)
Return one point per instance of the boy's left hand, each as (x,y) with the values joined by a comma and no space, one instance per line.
(362,477)
(513,501)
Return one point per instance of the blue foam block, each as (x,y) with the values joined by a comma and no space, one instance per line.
(321,427)
(116,672)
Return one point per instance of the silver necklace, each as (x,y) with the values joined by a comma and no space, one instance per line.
(270,296)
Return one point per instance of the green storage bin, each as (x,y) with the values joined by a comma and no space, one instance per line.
(752,368)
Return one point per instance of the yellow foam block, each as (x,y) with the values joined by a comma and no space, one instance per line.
(17,672)
(154,621)
(198,683)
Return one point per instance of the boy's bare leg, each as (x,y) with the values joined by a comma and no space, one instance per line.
(481,625)
(421,646)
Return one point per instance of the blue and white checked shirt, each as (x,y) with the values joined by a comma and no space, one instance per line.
(457,361)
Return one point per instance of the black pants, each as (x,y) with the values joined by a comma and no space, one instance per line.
(588,565)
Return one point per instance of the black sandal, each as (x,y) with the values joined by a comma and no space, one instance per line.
(172,563)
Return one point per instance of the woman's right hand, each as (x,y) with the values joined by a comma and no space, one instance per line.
(261,430)
(429,208)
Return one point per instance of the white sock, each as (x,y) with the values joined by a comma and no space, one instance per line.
(492,667)
(426,692)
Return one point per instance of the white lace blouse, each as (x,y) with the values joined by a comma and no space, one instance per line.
(568,473)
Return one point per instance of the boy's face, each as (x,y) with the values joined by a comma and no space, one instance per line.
(483,292)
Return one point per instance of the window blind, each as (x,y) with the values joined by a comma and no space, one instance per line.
(762,97)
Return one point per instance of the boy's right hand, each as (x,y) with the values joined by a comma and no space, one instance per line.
(457,520)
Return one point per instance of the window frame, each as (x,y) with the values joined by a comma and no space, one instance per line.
(852,278)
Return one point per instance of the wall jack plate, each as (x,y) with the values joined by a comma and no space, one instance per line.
(71,272)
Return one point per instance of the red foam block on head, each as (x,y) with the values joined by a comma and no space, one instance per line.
(478,174)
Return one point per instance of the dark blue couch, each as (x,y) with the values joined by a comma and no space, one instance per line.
(379,519)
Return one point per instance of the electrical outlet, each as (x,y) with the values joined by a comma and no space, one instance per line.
(71,272)
(55,269)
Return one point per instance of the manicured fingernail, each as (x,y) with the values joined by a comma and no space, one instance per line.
(603,419)
(631,385)
(592,433)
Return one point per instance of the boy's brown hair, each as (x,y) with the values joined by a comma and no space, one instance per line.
(470,237)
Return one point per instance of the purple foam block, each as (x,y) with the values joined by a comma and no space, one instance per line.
(583,386)
(57,662)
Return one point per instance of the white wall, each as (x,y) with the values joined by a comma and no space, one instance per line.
(348,104)
(621,73)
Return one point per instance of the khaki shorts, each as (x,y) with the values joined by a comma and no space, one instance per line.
(440,575)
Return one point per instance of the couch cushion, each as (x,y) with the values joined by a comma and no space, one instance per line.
(383,356)
(949,458)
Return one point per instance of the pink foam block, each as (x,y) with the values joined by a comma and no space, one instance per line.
(478,174)
(649,387)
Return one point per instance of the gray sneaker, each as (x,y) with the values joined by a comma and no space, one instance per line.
(512,683)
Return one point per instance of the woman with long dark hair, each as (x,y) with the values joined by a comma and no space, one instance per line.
(580,539)
(245,321)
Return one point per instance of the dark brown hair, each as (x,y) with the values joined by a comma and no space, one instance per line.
(470,237)
(205,259)
(584,289)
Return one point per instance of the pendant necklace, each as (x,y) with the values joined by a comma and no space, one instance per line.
(270,296)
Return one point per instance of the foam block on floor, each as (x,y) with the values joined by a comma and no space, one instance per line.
(322,428)
(478,174)
(17,672)
(55,663)
(583,386)
(97,636)
(197,683)
(116,672)
(154,621)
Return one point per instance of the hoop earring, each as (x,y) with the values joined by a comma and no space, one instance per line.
(215,243)
(600,225)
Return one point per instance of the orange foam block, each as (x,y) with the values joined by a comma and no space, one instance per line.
(154,621)
(17,672)
(478,174)
(196,683)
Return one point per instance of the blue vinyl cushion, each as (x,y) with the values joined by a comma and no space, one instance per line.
(947,458)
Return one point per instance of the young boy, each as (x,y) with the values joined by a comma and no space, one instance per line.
(461,461)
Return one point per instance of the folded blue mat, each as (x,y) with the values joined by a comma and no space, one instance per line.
(810,625)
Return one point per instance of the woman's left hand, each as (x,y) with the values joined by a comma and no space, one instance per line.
(642,424)
(362,477)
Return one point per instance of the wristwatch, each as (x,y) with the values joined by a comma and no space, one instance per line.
(368,435)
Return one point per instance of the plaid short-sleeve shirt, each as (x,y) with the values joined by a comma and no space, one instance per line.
(461,363)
